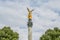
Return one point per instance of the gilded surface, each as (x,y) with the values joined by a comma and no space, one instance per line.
(29,13)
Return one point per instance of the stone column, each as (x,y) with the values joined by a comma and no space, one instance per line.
(30,29)
(29,33)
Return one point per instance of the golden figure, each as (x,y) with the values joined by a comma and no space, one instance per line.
(29,13)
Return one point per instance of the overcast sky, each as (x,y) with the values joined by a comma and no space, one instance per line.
(46,15)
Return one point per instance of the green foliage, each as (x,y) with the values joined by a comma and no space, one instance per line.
(7,34)
(51,34)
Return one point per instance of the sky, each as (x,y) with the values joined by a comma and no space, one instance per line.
(14,13)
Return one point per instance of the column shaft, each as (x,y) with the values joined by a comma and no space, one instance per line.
(29,33)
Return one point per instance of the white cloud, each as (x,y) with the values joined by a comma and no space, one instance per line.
(14,14)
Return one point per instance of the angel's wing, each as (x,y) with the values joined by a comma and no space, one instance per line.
(28,9)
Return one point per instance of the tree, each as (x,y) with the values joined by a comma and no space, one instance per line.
(51,34)
(7,34)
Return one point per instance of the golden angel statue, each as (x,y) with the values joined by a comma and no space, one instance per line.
(29,13)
